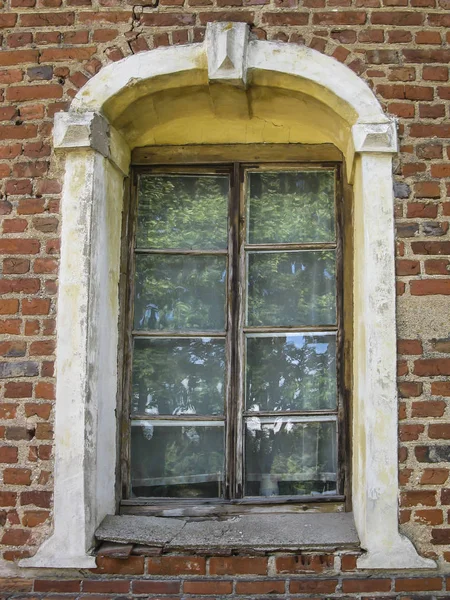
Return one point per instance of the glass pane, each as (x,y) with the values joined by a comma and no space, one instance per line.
(290,206)
(291,288)
(178,376)
(177,460)
(285,456)
(291,372)
(180,292)
(182,211)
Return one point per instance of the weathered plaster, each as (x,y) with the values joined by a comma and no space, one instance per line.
(303,84)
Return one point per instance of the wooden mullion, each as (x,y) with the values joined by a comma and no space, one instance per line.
(290,413)
(342,425)
(180,417)
(125,463)
(301,247)
(292,329)
(180,251)
(178,334)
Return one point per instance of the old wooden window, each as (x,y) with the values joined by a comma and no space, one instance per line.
(233,367)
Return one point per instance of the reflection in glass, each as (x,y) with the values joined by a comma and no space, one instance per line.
(178,376)
(288,456)
(291,372)
(177,459)
(180,292)
(291,288)
(290,206)
(182,211)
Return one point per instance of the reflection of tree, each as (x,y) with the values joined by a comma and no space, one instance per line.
(291,288)
(287,448)
(177,452)
(182,212)
(178,376)
(291,207)
(291,373)
(180,292)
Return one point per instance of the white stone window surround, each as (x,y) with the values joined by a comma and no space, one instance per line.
(97,159)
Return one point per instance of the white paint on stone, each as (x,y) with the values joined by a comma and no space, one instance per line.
(226,50)
(97,158)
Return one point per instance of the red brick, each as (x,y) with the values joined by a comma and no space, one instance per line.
(33,92)
(429,517)
(41,410)
(366,585)
(286,18)
(36,306)
(430,287)
(397,18)
(47,19)
(408,389)
(417,498)
(439,431)
(440,388)
(428,408)
(34,518)
(430,247)
(313,586)
(15,537)
(167,19)
(110,16)
(134,565)
(408,433)
(61,586)
(434,476)
(260,587)
(155,587)
(304,563)
(8,454)
(207,587)
(66,54)
(429,584)
(176,565)
(42,348)
(409,347)
(17,476)
(17,246)
(9,306)
(407,267)
(18,57)
(37,498)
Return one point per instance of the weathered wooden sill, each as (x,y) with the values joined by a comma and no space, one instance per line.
(262,533)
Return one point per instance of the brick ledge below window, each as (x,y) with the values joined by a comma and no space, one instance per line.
(260,532)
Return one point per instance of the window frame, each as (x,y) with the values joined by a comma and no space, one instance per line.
(237,160)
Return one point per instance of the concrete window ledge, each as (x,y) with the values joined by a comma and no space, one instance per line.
(259,532)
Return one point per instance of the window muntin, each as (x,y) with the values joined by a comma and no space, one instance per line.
(281,296)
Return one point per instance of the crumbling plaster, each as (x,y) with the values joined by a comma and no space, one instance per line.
(312,98)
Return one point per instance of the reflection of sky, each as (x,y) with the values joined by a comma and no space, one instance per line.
(300,341)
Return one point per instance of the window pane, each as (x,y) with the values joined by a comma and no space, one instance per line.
(285,456)
(180,292)
(291,288)
(178,376)
(182,211)
(177,460)
(291,372)
(290,206)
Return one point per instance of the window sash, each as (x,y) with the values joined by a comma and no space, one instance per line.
(236,330)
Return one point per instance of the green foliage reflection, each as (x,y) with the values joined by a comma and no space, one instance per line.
(289,458)
(291,288)
(295,372)
(291,207)
(179,376)
(180,292)
(182,211)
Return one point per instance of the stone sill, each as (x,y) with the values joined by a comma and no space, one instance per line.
(256,532)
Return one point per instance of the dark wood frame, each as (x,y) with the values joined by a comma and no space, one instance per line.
(216,160)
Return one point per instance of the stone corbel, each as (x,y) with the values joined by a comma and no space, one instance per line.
(226,50)
(73,131)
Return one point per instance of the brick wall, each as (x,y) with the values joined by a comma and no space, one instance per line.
(49,49)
